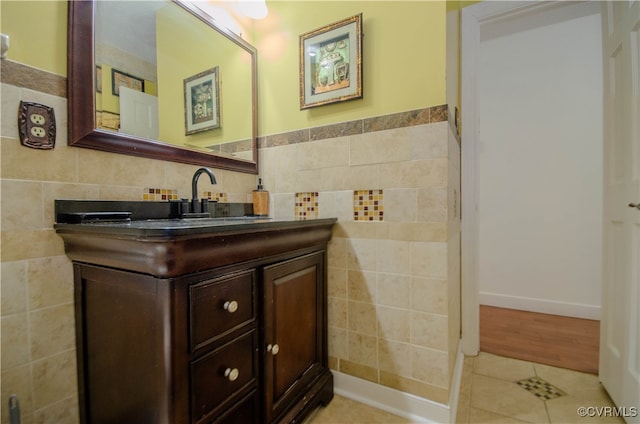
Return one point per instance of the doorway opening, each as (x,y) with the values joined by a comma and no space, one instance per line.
(532,157)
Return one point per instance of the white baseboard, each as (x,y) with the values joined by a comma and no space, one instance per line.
(542,306)
(406,405)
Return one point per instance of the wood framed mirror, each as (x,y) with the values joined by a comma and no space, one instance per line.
(96,77)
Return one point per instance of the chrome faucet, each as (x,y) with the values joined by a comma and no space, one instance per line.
(196,205)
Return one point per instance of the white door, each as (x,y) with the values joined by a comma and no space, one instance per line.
(619,327)
(138,113)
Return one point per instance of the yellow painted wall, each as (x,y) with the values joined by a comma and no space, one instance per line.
(190,50)
(38,35)
(403,60)
(404,55)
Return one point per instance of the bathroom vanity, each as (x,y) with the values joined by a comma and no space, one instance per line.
(219,320)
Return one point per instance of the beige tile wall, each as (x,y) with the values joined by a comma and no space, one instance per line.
(393,284)
(37,326)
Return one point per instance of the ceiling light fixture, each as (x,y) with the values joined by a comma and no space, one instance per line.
(254,9)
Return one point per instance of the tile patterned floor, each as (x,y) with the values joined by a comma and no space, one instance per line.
(490,393)
(540,388)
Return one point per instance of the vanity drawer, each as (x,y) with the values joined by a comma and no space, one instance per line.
(244,412)
(220,306)
(223,375)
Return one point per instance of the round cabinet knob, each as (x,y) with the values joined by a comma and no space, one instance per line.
(274,349)
(231,374)
(230,306)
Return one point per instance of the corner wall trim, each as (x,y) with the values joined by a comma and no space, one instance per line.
(403,404)
(456,382)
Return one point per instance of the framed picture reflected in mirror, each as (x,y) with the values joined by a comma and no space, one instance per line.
(202,101)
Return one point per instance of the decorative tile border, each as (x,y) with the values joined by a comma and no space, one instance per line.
(158,194)
(306,206)
(20,75)
(540,388)
(218,197)
(232,148)
(336,130)
(399,120)
(154,194)
(368,205)
(14,73)
(428,115)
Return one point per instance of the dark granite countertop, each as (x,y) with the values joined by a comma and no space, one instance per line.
(146,237)
(167,228)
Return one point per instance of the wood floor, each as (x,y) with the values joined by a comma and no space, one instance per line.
(565,342)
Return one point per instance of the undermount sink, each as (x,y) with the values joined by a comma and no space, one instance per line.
(197,222)
(224,218)
(204,221)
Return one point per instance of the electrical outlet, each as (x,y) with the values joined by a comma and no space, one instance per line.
(36,119)
(36,125)
(38,132)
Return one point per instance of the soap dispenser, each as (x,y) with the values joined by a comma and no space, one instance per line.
(260,200)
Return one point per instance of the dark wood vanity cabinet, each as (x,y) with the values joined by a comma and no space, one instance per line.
(244,342)
(167,350)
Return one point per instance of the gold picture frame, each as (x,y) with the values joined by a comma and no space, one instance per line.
(331,63)
(119,78)
(202,101)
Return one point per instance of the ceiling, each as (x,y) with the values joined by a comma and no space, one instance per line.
(119,22)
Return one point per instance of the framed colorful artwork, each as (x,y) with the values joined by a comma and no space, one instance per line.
(331,63)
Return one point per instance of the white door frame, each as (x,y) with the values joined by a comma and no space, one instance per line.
(473,17)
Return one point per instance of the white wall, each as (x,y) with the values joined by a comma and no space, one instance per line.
(540,166)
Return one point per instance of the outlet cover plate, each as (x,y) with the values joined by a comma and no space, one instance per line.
(36,125)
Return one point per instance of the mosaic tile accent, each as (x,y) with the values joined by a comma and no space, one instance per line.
(540,388)
(218,197)
(306,206)
(368,205)
(153,194)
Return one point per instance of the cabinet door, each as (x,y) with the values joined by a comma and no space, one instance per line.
(295,316)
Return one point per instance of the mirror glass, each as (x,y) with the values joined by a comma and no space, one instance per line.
(165,81)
